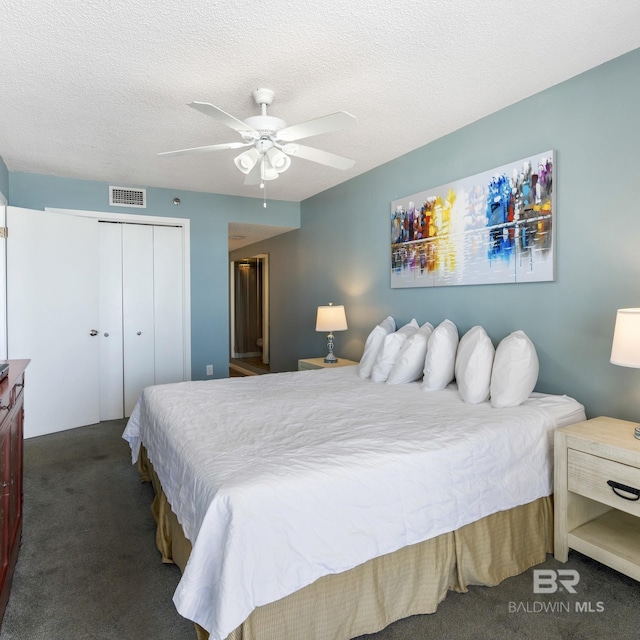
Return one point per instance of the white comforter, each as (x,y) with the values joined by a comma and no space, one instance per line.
(280,479)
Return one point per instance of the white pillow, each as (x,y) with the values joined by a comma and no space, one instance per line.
(474,362)
(439,364)
(410,361)
(373,345)
(389,351)
(515,371)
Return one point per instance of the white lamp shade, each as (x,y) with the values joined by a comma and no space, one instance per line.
(247,160)
(626,339)
(267,172)
(279,161)
(331,318)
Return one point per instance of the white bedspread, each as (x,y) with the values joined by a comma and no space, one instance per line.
(280,479)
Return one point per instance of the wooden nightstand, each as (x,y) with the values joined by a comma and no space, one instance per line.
(594,514)
(319,363)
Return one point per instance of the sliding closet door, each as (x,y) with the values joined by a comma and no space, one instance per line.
(110,309)
(141,312)
(168,286)
(137,302)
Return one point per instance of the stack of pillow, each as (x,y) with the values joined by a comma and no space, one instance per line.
(506,375)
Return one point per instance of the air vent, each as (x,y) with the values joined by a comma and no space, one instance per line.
(126,197)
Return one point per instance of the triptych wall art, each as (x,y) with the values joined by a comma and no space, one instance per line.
(493,227)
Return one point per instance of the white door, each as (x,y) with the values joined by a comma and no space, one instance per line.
(110,338)
(137,303)
(52,305)
(141,296)
(168,303)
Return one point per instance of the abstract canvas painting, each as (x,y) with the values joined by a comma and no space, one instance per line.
(493,227)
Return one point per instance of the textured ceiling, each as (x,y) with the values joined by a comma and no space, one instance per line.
(93,89)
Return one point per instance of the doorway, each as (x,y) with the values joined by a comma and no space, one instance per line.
(249,315)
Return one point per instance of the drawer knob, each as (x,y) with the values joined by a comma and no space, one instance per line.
(617,487)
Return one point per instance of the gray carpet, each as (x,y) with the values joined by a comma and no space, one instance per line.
(88,567)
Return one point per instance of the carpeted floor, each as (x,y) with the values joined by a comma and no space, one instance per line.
(88,567)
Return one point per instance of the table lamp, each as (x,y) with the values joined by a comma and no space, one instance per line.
(331,318)
(625,350)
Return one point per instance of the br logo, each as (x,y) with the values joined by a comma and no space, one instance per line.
(546,580)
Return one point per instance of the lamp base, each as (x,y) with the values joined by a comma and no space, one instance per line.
(330,358)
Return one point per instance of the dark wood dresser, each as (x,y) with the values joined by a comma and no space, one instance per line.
(11,437)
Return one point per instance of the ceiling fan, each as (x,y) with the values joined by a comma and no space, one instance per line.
(271,143)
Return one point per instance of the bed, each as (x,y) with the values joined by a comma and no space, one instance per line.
(318,504)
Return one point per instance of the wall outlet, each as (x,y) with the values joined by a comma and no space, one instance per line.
(209,369)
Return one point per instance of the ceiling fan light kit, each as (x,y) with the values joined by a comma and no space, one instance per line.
(271,140)
(279,160)
(247,160)
(267,172)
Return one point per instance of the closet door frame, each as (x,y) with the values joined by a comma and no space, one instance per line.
(106,216)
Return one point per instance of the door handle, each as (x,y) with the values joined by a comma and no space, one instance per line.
(93,332)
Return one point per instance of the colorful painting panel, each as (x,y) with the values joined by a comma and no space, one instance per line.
(493,227)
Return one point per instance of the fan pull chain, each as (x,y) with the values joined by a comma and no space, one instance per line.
(263,186)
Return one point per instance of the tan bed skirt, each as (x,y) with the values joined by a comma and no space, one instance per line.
(369,597)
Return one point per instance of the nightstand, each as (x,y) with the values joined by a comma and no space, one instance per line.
(597,493)
(319,363)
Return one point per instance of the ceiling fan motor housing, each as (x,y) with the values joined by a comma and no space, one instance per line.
(264,144)
(266,125)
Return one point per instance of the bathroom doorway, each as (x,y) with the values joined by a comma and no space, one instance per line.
(249,315)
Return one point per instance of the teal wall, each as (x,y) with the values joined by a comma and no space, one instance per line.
(4,179)
(341,252)
(209,215)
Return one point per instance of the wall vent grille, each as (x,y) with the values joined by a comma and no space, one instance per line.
(126,197)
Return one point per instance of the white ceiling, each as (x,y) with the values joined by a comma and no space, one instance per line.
(93,89)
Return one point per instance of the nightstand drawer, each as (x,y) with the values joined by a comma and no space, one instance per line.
(588,475)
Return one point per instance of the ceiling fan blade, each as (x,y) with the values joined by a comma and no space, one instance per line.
(225,118)
(317,155)
(325,124)
(210,147)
